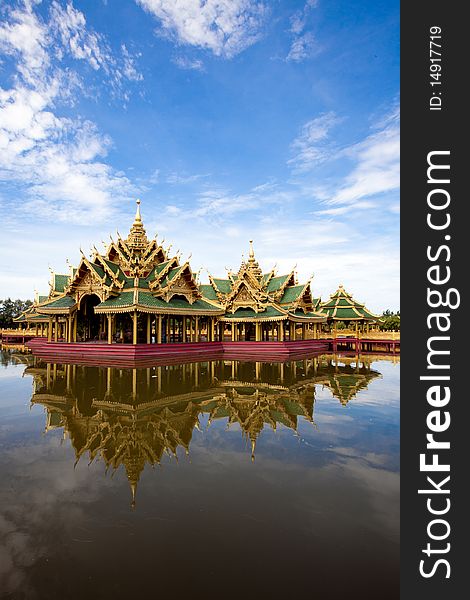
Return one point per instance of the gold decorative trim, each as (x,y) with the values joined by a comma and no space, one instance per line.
(156,311)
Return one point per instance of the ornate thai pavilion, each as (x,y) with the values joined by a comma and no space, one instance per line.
(137,293)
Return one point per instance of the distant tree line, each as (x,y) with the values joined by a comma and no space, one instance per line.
(390,321)
(10,309)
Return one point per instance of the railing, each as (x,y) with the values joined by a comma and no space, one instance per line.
(19,332)
(370,335)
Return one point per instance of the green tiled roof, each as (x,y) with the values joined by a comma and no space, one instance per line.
(300,314)
(249,313)
(277,282)
(348,313)
(42,299)
(169,276)
(149,301)
(55,419)
(223,285)
(280,418)
(128,281)
(221,412)
(60,282)
(64,302)
(159,268)
(264,278)
(343,302)
(291,294)
(123,300)
(37,317)
(342,306)
(208,291)
(98,269)
(292,407)
(172,273)
(113,266)
(345,387)
(152,274)
(146,300)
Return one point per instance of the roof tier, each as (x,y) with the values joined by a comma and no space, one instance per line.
(342,307)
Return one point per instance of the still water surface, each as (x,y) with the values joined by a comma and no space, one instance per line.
(212,480)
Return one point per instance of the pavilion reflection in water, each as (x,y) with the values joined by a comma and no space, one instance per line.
(135,416)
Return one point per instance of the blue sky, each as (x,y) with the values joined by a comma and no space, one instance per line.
(231,120)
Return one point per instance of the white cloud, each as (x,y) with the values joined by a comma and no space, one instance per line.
(25,35)
(54,491)
(377,168)
(311,148)
(336,251)
(341,210)
(172,210)
(188,64)
(69,35)
(298,20)
(216,204)
(225,27)
(154,177)
(129,69)
(58,160)
(303,44)
(68,25)
(181,178)
(374,163)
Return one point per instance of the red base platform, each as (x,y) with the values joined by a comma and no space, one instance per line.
(128,355)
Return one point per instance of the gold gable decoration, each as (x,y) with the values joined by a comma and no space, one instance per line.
(87,281)
(182,287)
(244,298)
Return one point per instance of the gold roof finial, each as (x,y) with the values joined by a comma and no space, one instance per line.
(137,239)
(253,265)
(138,218)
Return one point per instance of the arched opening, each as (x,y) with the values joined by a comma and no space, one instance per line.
(89,324)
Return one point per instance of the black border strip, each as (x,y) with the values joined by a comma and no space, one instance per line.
(423,131)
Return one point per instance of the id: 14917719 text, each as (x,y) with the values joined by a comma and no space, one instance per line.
(435,67)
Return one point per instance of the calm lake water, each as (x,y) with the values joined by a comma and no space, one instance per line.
(212,480)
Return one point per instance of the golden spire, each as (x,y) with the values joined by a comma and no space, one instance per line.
(138,218)
(252,264)
(137,238)
(253,446)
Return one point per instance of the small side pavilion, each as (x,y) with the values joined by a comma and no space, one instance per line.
(343,307)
